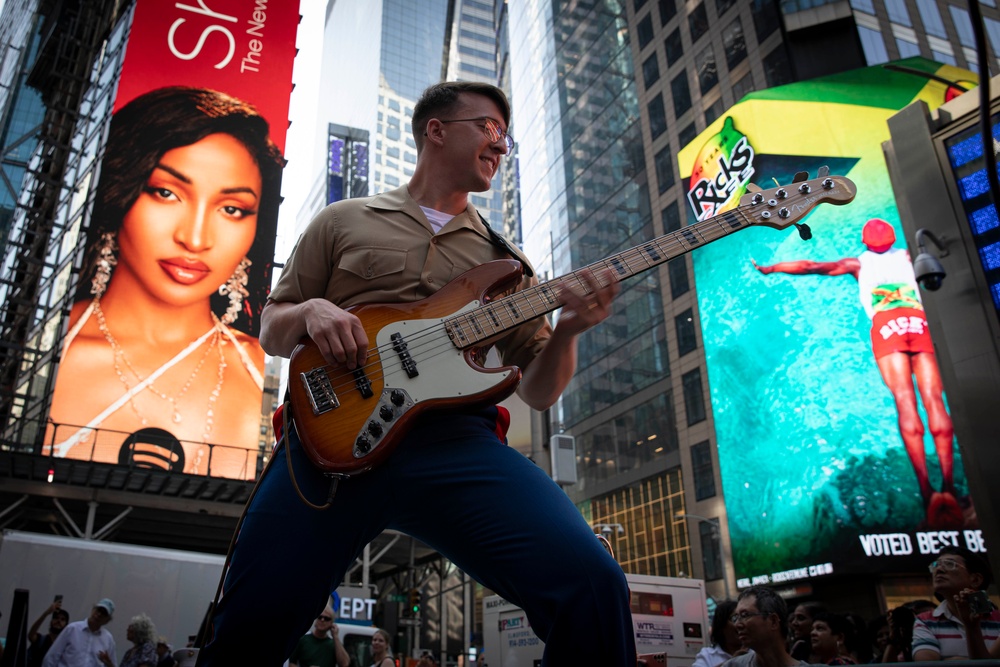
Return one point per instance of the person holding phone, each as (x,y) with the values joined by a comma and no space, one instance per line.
(40,644)
(963,625)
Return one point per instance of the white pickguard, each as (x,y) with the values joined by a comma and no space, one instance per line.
(443,371)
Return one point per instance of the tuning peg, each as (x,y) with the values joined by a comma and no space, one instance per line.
(823,172)
(800,176)
(753,187)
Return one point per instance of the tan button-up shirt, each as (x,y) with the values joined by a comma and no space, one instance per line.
(382,250)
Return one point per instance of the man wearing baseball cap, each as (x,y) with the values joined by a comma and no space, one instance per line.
(85,643)
(903,351)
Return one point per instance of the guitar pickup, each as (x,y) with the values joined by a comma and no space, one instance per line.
(363,384)
(320,391)
(402,349)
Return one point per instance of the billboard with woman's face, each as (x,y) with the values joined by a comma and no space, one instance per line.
(836,449)
(161,365)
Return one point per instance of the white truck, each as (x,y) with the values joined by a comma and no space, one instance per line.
(174,588)
(669,615)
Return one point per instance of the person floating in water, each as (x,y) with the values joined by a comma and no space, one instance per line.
(903,351)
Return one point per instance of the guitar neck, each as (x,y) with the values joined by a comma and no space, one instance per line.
(501,315)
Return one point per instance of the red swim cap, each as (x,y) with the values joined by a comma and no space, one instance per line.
(878,235)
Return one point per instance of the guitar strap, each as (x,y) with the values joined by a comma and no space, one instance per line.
(505,245)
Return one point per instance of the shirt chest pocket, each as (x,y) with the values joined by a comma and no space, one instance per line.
(372,263)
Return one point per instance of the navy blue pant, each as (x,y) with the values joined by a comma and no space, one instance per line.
(453,485)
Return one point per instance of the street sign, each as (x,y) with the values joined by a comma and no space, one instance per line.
(397,598)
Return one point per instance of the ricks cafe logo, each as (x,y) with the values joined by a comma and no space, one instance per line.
(721,172)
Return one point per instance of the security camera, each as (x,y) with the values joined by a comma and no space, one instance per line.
(926,267)
(928,271)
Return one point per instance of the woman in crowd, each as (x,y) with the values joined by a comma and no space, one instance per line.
(725,642)
(381,653)
(800,623)
(188,179)
(142,634)
(829,638)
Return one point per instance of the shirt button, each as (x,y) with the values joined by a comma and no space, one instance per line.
(370,271)
(434,241)
(430,280)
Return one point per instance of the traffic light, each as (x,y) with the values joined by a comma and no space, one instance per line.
(413,602)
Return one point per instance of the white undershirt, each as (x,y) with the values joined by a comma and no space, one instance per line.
(437,219)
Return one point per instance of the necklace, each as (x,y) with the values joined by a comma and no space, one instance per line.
(121,358)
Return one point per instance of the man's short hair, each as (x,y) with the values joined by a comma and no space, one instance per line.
(443,98)
(974,563)
(768,602)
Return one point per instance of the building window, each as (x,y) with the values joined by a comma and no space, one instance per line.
(714,111)
(963,25)
(687,135)
(866,6)
(765,17)
(657,117)
(721,6)
(734,44)
(907,49)
(698,22)
(644,30)
(668,10)
(993,32)
(664,169)
(871,43)
(930,16)
(898,13)
(742,87)
(678,272)
(638,4)
(708,73)
(704,471)
(687,339)
(651,70)
(682,94)
(673,46)
(711,554)
(671,218)
(776,68)
(694,397)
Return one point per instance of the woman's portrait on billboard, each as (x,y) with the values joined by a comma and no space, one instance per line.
(161,359)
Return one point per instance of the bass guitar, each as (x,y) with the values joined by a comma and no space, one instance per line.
(425,354)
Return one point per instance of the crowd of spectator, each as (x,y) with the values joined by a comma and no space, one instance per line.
(759,629)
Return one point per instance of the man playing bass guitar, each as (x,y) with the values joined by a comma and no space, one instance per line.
(451,481)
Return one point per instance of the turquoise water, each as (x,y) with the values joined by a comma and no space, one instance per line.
(809,446)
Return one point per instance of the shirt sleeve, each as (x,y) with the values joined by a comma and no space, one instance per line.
(923,638)
(310,266)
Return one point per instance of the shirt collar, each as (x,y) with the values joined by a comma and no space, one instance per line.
(400,200)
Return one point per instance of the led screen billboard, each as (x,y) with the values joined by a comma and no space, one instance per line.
(835,441)
(161,365)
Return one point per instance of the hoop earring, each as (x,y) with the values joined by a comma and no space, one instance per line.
(106,262)
(236,288)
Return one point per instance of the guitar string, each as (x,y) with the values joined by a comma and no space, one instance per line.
(667,243)
(417,341)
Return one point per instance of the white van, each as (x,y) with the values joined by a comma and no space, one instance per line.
(357,641)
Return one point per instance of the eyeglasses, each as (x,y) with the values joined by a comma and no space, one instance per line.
(744,616)
(326,618)
(949,565)
(492,130)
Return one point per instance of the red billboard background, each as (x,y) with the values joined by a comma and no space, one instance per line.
(163,331)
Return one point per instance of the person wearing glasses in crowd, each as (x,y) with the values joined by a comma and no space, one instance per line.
(85,643)
(958,627)
(403,246)
(761,620)
(321,647)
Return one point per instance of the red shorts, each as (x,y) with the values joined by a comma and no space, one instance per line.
(900,330)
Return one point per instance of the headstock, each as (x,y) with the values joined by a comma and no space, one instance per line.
(784,206)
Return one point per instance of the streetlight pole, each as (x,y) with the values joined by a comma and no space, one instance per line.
(717,534)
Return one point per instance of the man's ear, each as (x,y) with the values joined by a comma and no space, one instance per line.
(975,581)
(434,131)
